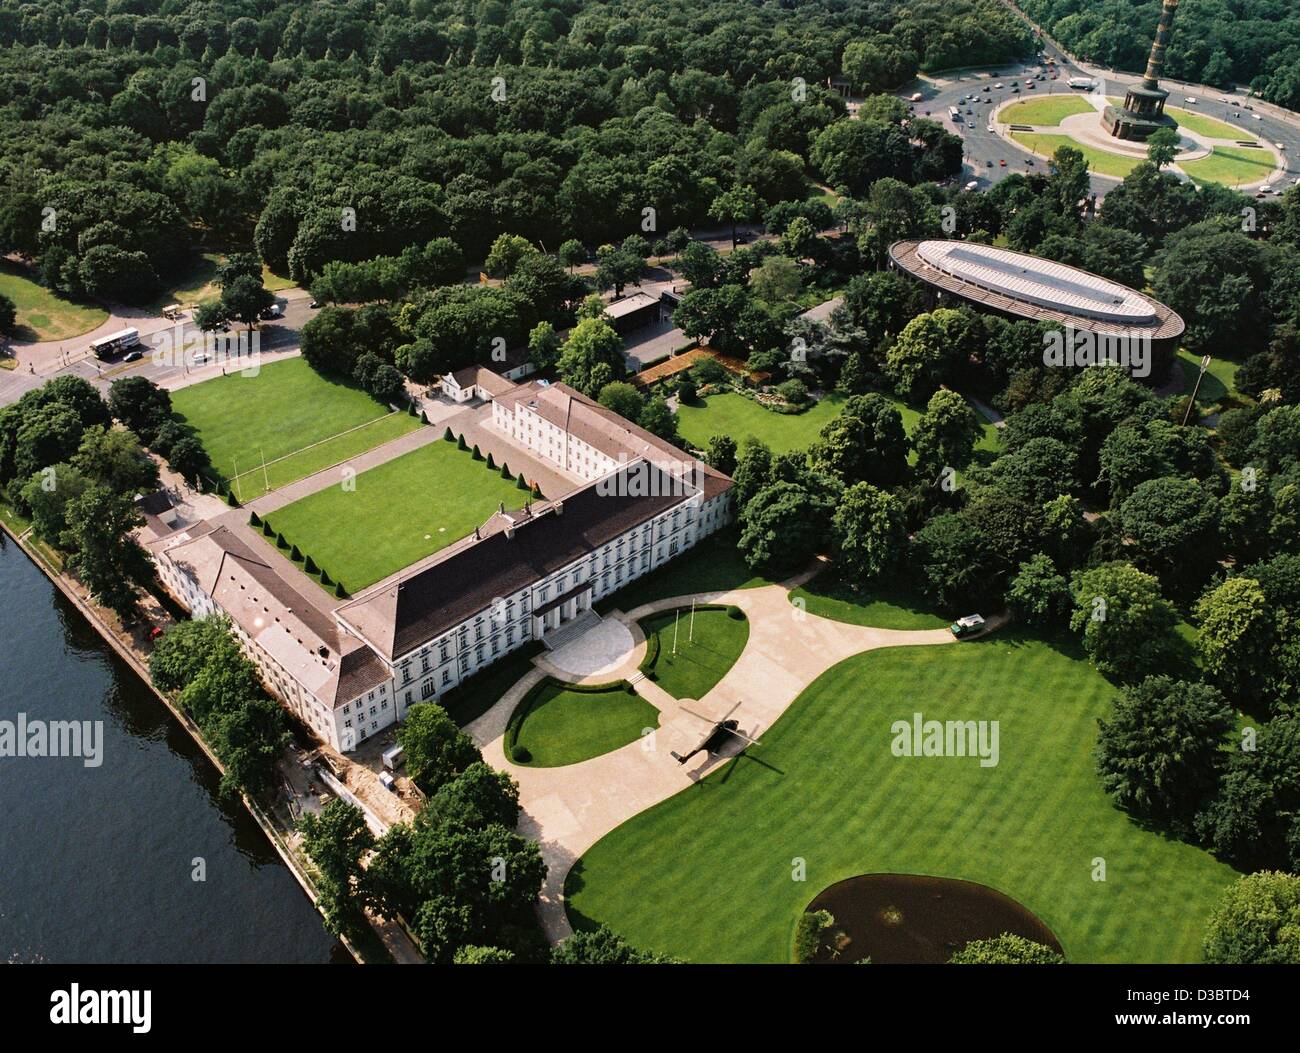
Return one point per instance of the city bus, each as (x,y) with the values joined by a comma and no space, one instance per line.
(954,114)
(115,343)
(1082,83)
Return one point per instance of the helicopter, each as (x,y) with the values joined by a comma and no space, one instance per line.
(718,736)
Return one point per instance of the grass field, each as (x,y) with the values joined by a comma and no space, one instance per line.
(287,407)
(1051,110)
(1099,161)
(42,315)
(1207,126)
(1218,389)
(887,606)
(471,698)
(1231,166)
(741,418)
(562,726)
(707,874)
(334,450)
(400,511)
(707,646)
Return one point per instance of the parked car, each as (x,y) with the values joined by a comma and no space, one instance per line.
(133,356)
(274,311)
(973,184)
(1003,162)
(967,626)
(314,305)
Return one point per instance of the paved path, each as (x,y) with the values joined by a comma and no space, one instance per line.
(569,809)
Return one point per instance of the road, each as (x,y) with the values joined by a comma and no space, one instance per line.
(984,145)
(38,363)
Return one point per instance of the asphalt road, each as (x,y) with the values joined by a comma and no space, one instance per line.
(983,145)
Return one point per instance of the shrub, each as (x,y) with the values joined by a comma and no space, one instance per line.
(505,471)
(460,443)
(424,417)
(310,566)
(280,541)
(340,591)
(267,529)
(808,934)
(231,499)
(735,613)
(325,579)
(794,391)
(447,435)
(521,483)
(477,454)
(254,519)
(490,462)
(521,755)
(295,554)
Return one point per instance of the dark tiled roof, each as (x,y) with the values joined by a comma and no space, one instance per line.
(398,617)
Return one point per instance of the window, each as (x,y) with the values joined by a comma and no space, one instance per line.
(426,689)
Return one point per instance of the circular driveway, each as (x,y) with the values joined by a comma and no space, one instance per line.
(602,648)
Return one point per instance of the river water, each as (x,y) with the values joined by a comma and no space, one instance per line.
(98,864)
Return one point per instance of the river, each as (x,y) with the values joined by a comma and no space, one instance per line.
(98,864)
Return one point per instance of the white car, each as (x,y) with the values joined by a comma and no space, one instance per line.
(973,185)
(1257,116)
(1191,101)
(1267,188)
(999,85)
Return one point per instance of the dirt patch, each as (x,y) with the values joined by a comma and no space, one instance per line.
(908,919)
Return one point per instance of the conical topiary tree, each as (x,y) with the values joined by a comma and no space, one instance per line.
(295,554)
(537,490)
(281,541)
(254,519)
(505,471)
(477,454)
(325,579)
(447,435)
(310,566)
(460,443)
(340,591)
(491,463)
(521,483)
(267,529)
(424,417)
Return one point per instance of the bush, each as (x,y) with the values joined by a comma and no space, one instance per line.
(295,554)
(340,591)
(505,471)
(793,391)
(735,613)
(521,483)
(267,529)
(808,934)
(310,566)
(254,519)
(521,755)
(477,454)
(325,579)
(281,541)
(447,435)
(491,463)
(460,443)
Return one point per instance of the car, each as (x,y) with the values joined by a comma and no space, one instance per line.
(969,112)
(155,632)
(1029,160)
(967,626)
(1280,146)
(989,164)
(274,311)
(917,96)
(1190,100)
(314,305)
(999,86)
(1014,83)
(986,88)
(973,184)
(1234,102)
(133,356)
(1003,162)
(1263,191)
(743,237)
(1015,91)
(1257,117)
(1030,85)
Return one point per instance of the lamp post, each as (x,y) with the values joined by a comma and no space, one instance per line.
(1205,364)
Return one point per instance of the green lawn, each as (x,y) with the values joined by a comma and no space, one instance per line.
(706,875)
(741,418)
(1051,110)
(471,698)
(1211,127)
(43,315)
(707,645)
(1099,161)
(323,454)
(885,606)
(560,726)
(1218,388)
(399,512)
(286,407)
(1231,166)
(713,565)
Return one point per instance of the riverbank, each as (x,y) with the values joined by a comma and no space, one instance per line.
(387,943)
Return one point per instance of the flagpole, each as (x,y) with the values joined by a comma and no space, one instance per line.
(691,635)
(265,481)
(676,618)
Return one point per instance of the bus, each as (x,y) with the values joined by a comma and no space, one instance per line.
(954,114)
(1082,83)
(115,343)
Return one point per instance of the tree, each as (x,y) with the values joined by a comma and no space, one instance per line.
(106,556)
(591,357)
(1007,949)
(544,346)
(1235,638)
(337,840)
(737,205)
(869,533)
(505,255)
(1257,922)
(476,797)
(46,497)
(436,749)
(182,651)
(1174,525)
(1162,147)
(113,457)
(1039,594)
(865,443)
(1162,752)
(658,419)
(572,253)
(946,434)
(8,316)
(249,738)
(948,552)
(622,398)
(1127,626)
(776,280)
(140,404)
(781,527)
(245,298)
(472,955)
(602,947)
(925,352)
(720,453)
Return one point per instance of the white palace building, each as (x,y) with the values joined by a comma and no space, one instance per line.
(348,669)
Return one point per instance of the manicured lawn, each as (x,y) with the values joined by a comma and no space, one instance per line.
(707,645)
(1231,166)
(1099,161)
(43,315)
(561,726)
(885,605)
(323,454)
(1051,110)
(1218,388)
(399,512)
(713,565)
(741,418)
(274,282)
(706,875)
(287,406)
(1207,126)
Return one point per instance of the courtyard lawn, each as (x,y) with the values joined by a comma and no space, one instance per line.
(713,565)
(705,649)
(1218,388)
(43,315)
(1099,161)
(706,875)
(1232,166)
(399,512)
(887,605)
(1051,110)
(558,725)
(285,408)
(321,455)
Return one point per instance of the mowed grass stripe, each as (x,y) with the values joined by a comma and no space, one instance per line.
(323,454)
(399,512)
(287,406)
(706,875)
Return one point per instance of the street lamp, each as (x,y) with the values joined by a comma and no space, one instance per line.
(1205,364)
